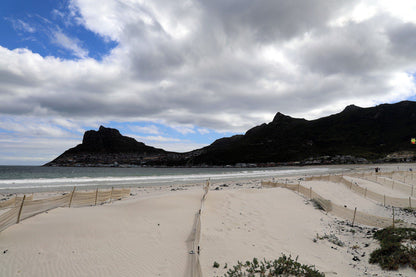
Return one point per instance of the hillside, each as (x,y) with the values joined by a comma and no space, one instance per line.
(370,133)
(380,133)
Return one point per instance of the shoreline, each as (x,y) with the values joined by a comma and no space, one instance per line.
(131,181)
(146,234)
(160,177)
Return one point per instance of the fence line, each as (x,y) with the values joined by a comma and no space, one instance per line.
(193,241)
(13,202)
(380,198)
(406,177)
(20,210)
(328,206)
(387,181)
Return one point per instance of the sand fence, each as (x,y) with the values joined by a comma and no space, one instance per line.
(193,240)
(354,216)
(20,208)
(380,198)
(400,181)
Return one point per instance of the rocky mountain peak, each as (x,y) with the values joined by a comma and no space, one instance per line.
(281,117)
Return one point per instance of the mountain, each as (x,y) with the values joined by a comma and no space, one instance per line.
(108,147)
(370,133)
(380,133)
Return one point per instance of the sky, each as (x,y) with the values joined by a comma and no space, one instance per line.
(180,74)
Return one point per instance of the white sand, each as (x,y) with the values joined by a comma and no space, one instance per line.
(146,235)
(120,239)
(379,188)
(341,195)
(241,225)
(238,225)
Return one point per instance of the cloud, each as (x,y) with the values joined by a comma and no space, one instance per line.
(36,150)
(157,139)
(21,25)
(203,131)
(217,65)
(183,129)
(151,129)
(68,43)
(169,143)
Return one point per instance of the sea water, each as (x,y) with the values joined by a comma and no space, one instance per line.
(36,178)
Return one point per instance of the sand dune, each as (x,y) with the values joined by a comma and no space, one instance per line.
(240,225)
(146,237)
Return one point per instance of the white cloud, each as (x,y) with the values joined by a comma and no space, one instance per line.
(32,127)
(17,150)
(183,129)
(203,131)
(71,44)
(156,138)
(168,143)
(151,129)
(21,25)
(216,65)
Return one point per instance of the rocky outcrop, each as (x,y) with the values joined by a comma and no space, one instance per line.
(107,147)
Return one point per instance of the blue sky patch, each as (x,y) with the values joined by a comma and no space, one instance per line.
(49,29)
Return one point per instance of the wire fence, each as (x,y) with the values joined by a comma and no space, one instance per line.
(20,208)
(402,181)
(193,240)
(13,201)
(384,199)
(327,205)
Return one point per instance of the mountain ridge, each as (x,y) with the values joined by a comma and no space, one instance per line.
(365,133)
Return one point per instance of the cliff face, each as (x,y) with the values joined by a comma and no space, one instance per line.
(108,147)
(371,133)
(108,140)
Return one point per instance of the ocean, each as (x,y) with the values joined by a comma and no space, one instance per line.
(35,178)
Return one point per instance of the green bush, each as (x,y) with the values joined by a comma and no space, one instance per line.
(282,266)
(392,253)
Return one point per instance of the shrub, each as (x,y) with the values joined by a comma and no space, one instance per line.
(392,253)
(216,265)
(283,266)
(317,204)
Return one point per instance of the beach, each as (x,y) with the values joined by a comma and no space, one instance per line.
(148,233)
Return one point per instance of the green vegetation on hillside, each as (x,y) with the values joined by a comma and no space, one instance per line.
(397,248)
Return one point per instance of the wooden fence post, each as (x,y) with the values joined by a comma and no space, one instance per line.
(384,200)
(393,217)
(410,202)
(353,218)
(412,191)
(20,210)
(72,196)
(15,199)
(111,195)
(96,197)
(365,193)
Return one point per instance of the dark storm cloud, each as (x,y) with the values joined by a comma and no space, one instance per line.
(268,21)
(403,40)
(224,65)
